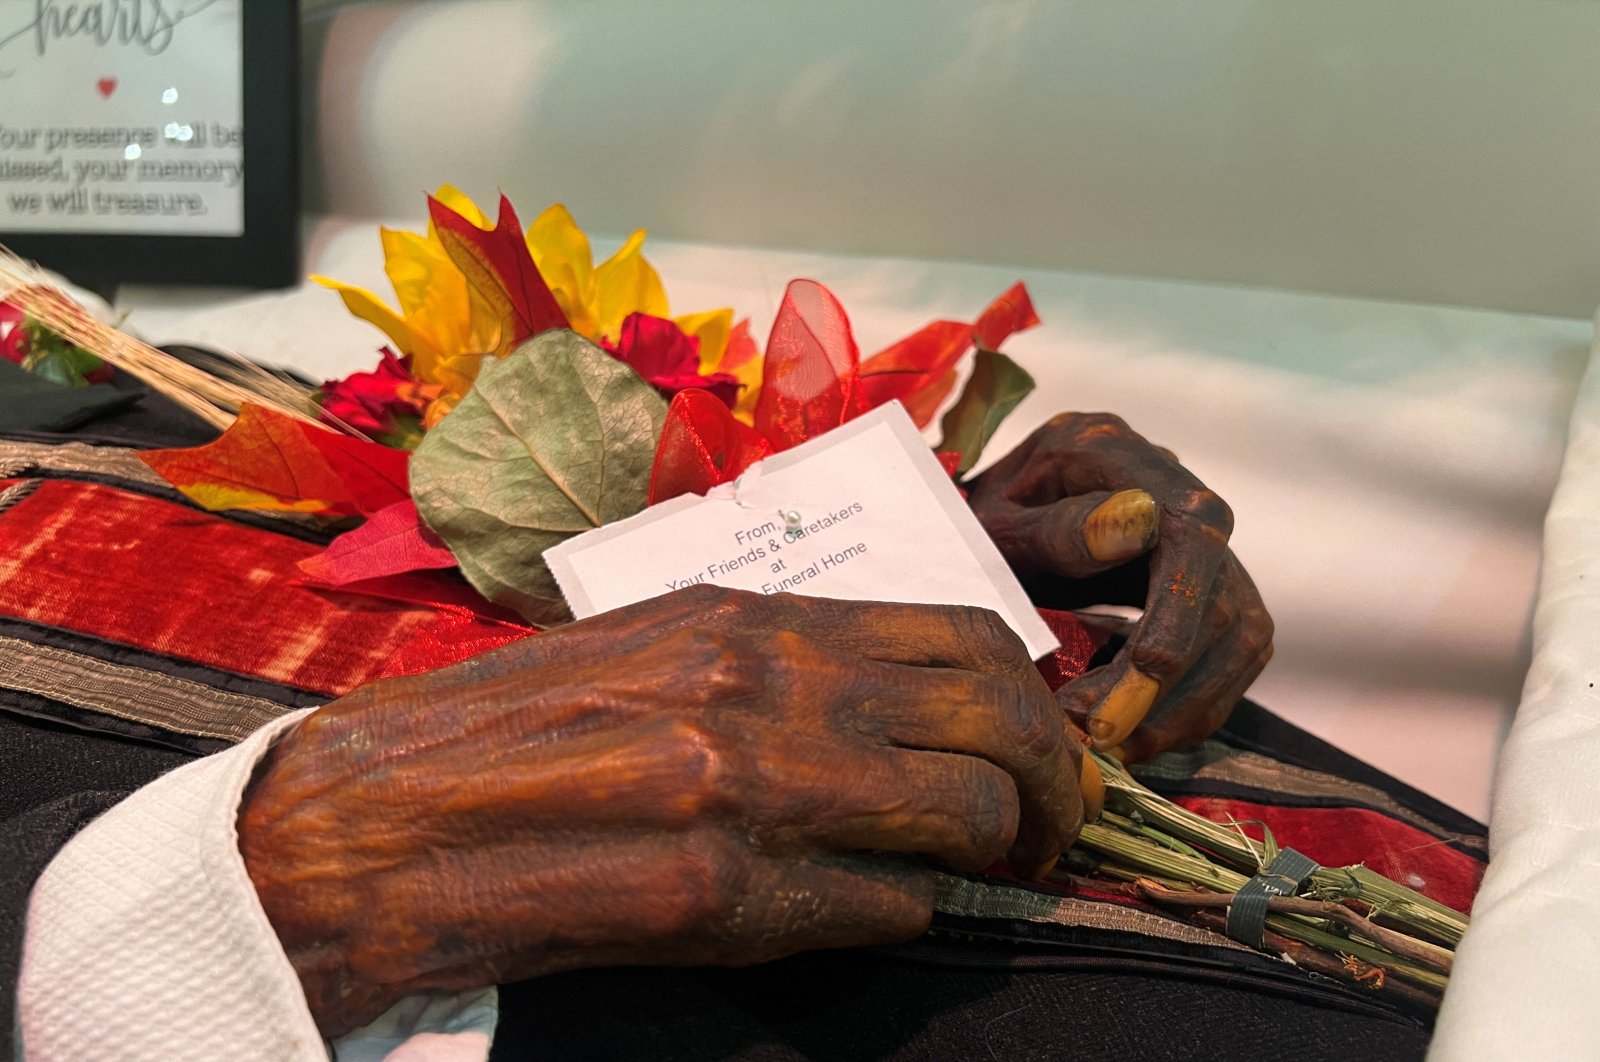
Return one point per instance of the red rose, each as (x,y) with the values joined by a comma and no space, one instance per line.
(384,402)
(668,359)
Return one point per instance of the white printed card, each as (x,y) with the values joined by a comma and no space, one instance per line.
(864,513)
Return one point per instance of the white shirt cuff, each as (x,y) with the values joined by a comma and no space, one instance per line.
(145,940)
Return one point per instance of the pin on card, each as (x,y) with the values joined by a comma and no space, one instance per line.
(864,512)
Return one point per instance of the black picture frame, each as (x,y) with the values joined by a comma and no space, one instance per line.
(267,254)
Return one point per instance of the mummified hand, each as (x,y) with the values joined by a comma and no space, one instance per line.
(708,777)
(1088,512)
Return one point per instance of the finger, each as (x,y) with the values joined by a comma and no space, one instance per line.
(1237,653)
(929,635)
(1170,635)
(940,636)
(1016,726)
(957,810)
(711,899)
(828,901)
(1200,709)
(1076,537)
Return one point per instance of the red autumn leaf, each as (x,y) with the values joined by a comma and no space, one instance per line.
(268,460)
(498,266)
(375,476)
(701,446)
(394,540)
(1012,312)
(811,377)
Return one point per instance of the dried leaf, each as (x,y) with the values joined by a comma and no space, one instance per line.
(267,460)
(552,441)
(996,386)
(500,269)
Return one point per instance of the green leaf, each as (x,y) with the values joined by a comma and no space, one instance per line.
(996,386)
(553,440)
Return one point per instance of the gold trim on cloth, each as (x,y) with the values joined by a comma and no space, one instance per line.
(967,898)
(16,492)
(133,693)
(22,458)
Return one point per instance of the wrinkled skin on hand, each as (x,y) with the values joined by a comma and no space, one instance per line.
(707,777)
(1088,512)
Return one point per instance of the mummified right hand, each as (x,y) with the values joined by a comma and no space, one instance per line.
(707,777)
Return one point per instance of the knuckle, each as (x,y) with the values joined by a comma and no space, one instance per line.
(1161,661)
(709,599)
(1034,722)
(790,657)
(722,666)
(991,820)
(1086,426)
(988,638)
(1205,507)
(1225,616)
(705,763)
(707,876)
(1257,635)
(722,606)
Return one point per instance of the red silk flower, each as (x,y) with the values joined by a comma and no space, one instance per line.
(13,340)
(372,402)
(668,359)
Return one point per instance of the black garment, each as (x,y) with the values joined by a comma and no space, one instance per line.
(970,989)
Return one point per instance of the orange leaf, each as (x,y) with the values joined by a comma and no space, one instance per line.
(499,267)
(267,460)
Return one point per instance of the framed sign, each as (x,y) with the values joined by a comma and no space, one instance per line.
(151,140)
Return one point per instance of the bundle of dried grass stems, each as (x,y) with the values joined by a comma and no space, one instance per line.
(211,396)
(1347,921)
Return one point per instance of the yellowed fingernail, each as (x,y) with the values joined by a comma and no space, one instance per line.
(1121,527)
(1045,868)
(1123,709)
(1092,784)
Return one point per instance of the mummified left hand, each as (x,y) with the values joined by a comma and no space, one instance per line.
(707,777)
(1088,512)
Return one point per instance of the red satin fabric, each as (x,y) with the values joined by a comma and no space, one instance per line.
(162,577)
(1079,643)
(1340,837)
